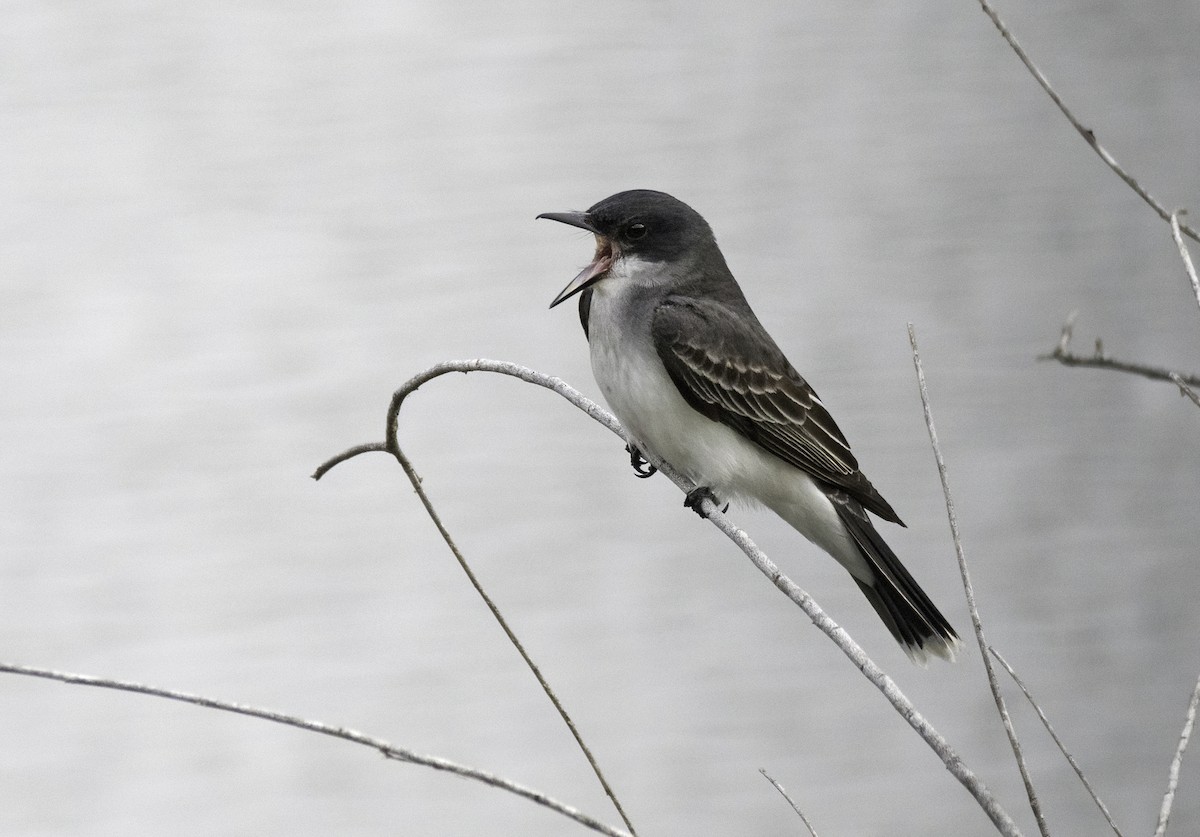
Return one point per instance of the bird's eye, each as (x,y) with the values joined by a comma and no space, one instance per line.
(635,231)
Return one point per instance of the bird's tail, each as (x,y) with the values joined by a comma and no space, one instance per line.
(914,621)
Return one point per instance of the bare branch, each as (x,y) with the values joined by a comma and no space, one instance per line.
(849,647)
(1099,360)
(512,637)
(859,658)
(1088,134)
(594,410)
(976,622)
(388,750)
(348,454)
(1164,813)
(795,807)
(1062,748)
(392,445)
(1184,254)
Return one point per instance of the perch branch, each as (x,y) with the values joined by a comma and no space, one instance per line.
(849,647)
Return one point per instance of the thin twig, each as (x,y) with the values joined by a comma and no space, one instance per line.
(1099,360)
(392,446)
(1088,134)
(861,661)
(1164,813)
(1184,389)
(976,622)
(1184,254)
(512,637)
(388,750)
(1062,747)
(348,454)
(843,640)
(795,807)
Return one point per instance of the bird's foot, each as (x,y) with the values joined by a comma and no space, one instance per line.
(642,467)
(698,495)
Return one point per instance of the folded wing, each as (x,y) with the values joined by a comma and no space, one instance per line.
(728,368)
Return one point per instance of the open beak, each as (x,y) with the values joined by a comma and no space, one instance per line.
(602,261)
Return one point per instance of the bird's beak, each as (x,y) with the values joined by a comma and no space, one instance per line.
(602,261)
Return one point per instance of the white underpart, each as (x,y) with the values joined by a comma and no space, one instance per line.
(645,399)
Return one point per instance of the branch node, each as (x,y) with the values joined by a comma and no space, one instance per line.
(1099,360)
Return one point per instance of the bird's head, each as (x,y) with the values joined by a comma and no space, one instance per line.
(639,225)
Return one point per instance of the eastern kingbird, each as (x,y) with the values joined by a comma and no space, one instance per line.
(695,379)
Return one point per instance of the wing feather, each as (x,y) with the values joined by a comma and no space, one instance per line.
(728,368)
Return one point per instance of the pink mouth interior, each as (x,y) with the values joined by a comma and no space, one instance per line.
(603,259)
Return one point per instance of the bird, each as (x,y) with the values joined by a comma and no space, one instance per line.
(696,381)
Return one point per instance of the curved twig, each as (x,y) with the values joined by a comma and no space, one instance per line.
(1088,134)
(969,589)
(392,445)
(843,640)
(328,464)
(795,807)
(388,750)
(504,367)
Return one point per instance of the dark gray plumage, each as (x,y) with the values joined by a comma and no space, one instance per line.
(695,378)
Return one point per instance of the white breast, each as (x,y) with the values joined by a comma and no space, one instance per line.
(641,394)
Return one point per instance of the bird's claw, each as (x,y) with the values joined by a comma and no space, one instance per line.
(697,496)
(642,467)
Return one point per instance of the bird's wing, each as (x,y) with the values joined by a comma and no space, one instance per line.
(728,368)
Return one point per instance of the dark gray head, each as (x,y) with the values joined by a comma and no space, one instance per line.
(650,226)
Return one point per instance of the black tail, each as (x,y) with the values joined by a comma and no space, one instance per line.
(914,621)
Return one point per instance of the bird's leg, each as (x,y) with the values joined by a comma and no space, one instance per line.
(641,466)
(698,495)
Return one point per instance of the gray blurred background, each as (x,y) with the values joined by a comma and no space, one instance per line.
(229,230)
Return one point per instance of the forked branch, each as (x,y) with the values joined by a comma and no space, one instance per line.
(1099,360)
(391,445)
(849,647)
